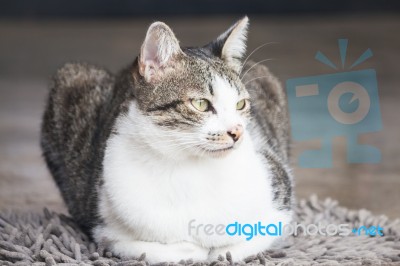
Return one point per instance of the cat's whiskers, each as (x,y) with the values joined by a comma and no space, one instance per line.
(265,76)
(200,146)
(172,148)
(169,143)
(255,50)
(180,142)
(165,133)
(259,62)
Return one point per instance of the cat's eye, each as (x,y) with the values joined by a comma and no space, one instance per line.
(241,104)
(202,105)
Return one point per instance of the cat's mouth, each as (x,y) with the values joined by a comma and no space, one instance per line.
(219,152)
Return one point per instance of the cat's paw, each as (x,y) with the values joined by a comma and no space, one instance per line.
(157,252)
(232,249)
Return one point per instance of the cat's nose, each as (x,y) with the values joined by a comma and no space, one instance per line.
(235,132)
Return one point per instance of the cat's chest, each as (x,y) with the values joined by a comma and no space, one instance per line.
(162,197)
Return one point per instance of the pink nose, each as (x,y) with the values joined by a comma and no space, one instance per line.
(235,132)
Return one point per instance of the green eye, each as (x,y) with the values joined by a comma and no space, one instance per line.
(201,104)
(241,104)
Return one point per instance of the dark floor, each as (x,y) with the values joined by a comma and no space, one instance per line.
(31,51)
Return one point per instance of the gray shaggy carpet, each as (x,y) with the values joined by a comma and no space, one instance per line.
(53,239)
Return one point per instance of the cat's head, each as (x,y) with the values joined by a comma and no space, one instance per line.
(192,99)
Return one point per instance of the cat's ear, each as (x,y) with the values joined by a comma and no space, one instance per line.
(158,51)
(230,46)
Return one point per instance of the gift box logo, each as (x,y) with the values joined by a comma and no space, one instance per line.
(340,104)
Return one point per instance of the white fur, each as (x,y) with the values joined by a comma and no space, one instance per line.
(225,99)
(154,186)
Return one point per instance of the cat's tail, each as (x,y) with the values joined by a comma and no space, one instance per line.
(77,100)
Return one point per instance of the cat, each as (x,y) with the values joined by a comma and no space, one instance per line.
(181,137)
